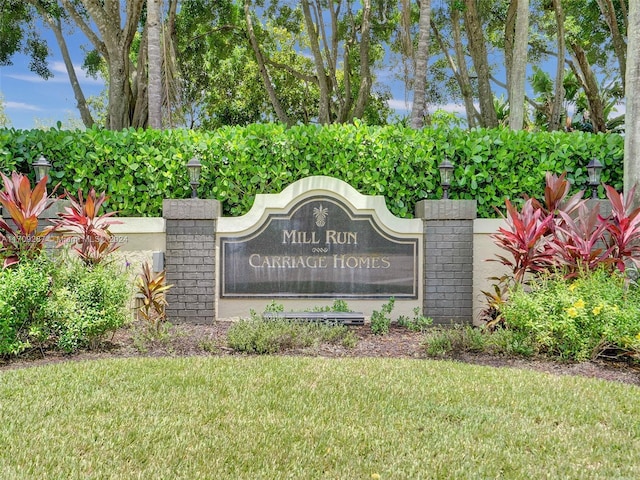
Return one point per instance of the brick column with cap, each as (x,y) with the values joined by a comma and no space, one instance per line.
(448,259)
(190,259)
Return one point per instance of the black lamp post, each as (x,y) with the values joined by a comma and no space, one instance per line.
(194,166)
(446,174)
(594,168)
(41,168)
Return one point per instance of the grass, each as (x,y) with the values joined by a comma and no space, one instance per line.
(282,417)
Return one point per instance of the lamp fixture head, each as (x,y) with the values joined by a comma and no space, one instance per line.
(446,175)
(594,169)
(194,167)
(41,168)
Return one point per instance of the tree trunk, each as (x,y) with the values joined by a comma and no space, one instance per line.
(154,56)
(266,79)
(364,91)
(325,93)
(478,52)
(632,124)
(590,84)
(619,46)
(81,102)
(519,67)
(418,110)
(113,40)
(473,116)
(120,97)
(509,38)
(558,98)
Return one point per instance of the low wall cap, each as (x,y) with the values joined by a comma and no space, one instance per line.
(447,209)
(191,209)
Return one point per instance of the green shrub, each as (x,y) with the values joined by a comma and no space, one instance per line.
(265,336)
(24,291)
(419,323)
(381,320)
(87,303)
(579,319)
(141,167)
(440,341)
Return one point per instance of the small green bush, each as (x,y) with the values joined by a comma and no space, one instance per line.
(381,320)
(580,319)
(24,291)
(266,336)
(419,323)
(87,303)
(440,341)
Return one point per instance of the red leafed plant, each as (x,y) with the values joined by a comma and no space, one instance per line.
(81,220)
(623,227)
(24,206)
(153,288)
(577,243)
(525,239)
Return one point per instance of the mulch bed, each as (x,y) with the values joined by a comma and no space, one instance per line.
(189,340)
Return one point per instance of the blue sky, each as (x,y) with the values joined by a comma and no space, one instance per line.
(30,100)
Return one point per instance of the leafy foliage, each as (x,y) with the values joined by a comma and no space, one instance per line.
(91,231)
(24,206)
(555,239)
(419,323)
(381,319)
(594,315)
(86,303)
(139,168)
(441,341)
(153,287)
(265,336)
(59,304)
(623,227)
(24,291)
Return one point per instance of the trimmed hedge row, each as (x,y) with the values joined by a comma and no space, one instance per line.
(138,168)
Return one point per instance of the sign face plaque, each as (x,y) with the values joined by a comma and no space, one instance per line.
(319,248)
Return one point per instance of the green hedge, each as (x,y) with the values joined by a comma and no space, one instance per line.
(138,168)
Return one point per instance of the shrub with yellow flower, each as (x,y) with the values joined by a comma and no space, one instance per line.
(572,312)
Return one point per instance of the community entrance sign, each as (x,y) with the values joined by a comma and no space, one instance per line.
(319,246)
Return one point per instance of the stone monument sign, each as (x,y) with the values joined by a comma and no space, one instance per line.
(319,247)
(318,239)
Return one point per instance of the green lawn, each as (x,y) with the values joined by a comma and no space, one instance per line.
(282,417)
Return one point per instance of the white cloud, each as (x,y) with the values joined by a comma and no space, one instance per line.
(21,106)
(59,68)
(27,77)
(398,104)
(449,107)
(405,105)
(60,75)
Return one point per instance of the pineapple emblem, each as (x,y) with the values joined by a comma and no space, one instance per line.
(320,214)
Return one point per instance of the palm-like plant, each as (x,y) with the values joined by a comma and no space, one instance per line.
(24,205)
(81,220)
(152,287)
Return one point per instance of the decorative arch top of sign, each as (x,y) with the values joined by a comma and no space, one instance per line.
(317,186)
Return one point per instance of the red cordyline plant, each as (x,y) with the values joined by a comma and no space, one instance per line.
(564,235)
(93,240)
(525,239)
(24,206)
(577,242)
(623,228)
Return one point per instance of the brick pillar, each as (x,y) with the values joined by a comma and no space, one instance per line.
(448,259)
(190,259)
